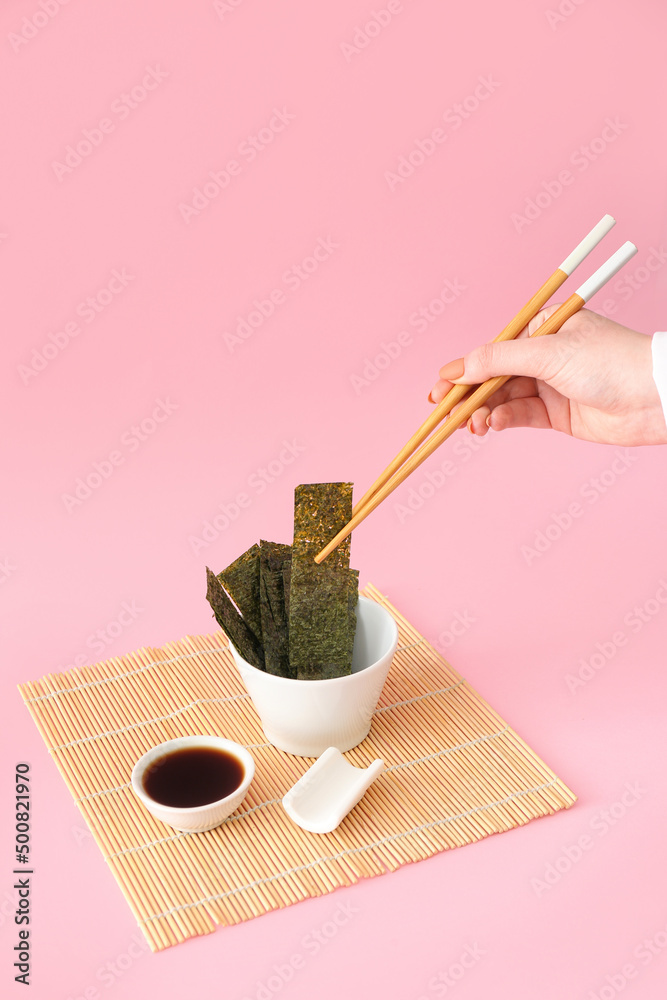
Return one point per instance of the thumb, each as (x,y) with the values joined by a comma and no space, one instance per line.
(539,358)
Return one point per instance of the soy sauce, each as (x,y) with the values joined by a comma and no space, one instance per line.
(193,776)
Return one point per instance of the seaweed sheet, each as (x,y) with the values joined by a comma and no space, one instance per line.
(322,597)
(275,561)
(241,580)
(319,624)
(287,583)
(353,600)
(320,511)
(231,621)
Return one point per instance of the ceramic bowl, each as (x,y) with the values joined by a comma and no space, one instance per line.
(194,819)
(304,717)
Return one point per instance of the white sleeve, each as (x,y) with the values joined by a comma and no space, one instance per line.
(659,349)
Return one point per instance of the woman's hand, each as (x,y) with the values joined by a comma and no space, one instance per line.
(592,379)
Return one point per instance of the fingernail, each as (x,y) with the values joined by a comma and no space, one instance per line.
(488,420)
(430,398)
(453,370)
(469,426)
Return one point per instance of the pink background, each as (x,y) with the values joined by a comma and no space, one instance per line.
(552,82)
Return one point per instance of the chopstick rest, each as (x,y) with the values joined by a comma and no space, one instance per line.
(324,795)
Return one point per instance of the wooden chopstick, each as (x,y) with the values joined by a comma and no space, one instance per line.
(483,392)
(512,330)
(457,392)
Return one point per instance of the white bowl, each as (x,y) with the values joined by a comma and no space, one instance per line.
(304,717)
(194,819)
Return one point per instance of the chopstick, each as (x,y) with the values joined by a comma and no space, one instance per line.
(513,328)
(484,391)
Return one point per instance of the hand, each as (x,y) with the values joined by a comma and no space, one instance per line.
(592,379)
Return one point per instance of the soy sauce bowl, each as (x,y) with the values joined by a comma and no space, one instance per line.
(194,819)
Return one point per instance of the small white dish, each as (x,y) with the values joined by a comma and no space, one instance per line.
(194,819)
(324,795)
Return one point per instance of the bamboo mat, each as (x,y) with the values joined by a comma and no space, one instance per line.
(455,773)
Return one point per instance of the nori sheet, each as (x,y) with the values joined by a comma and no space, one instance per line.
(275,558)
(320,511)
(229,619)
(241,580)
(319,623)
(353,600)
(321,600)
(287,583)
(283,612)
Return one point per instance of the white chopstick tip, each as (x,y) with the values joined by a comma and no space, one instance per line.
(607,271)
(588,243)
